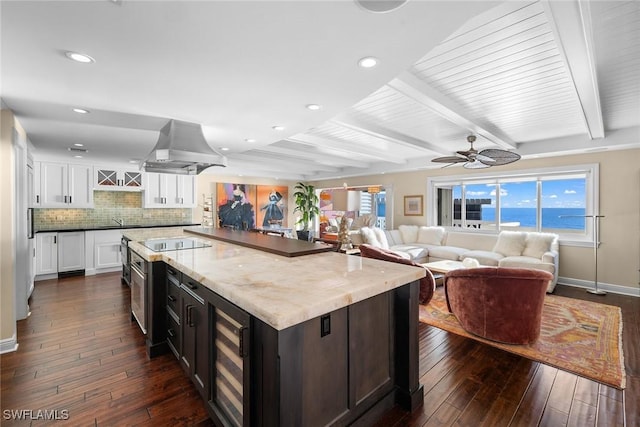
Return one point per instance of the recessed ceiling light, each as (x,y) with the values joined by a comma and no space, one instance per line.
(80,57)
(80,111)
(78,157)
(250,140)
(133,162)
(313,107)
(278,128)
(224,148)
(78,144)
(368,62)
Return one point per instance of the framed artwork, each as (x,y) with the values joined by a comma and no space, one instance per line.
(413,205)
(236,205)
(272,206)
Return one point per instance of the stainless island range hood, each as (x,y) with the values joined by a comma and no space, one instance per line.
(182,149)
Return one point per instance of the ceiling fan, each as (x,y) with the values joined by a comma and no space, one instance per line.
(474,159)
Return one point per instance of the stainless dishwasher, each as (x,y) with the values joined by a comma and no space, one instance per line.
(138,289)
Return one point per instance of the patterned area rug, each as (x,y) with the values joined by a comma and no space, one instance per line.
(581,337)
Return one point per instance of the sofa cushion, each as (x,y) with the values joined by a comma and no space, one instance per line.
(393,237)
(447,252)
(409,233)
(431,235)
(526,262)
(463,239)
(536,244)
(382,238)
(484,257)
(510,243)
(413,252)
(369,237)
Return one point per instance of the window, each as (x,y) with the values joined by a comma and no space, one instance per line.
(552,200)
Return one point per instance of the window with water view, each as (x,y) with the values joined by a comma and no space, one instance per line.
(553,203)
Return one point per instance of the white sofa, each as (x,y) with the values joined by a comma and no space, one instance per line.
(429,244)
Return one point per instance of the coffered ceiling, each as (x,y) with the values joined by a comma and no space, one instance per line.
(541,78)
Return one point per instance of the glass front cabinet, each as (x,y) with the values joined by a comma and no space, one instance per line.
(118,179)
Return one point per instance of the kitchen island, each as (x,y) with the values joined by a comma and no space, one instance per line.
(318,339)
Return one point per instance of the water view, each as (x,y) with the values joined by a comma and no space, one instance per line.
(551,217)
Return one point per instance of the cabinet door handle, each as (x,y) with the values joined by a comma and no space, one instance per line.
(190,316)
(172,298)
(37,198)
(70,199)
(241,347)
(55,239)
(171,271)
(171,333)
(192,285)
(65,199)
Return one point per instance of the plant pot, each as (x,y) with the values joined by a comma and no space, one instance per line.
(304,234)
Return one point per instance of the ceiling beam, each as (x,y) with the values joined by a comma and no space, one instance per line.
(570,22)
(345,147)
(313,153)
(377,131)
(411,86)
(272,162)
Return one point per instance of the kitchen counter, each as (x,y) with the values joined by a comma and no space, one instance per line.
(109,227)
(318,339)
(281,291)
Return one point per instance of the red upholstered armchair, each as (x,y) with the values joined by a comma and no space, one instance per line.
(427,283)
(498,303)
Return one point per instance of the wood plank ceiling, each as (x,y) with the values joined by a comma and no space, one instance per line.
(541,78)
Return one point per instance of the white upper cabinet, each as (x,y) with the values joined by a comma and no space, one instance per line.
(65,185)
(116,179)
(169,191)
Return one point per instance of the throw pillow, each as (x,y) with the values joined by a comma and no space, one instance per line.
(536,244)
(510,243)
(431,235)
(382,238)
(409,233)
(369,237)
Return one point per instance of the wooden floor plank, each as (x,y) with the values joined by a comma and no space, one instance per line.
(80,351)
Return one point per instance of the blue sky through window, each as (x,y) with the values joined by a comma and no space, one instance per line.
(561,193)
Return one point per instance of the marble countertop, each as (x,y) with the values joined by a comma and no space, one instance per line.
(278,290)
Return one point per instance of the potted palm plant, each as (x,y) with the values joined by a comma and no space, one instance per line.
(307,204)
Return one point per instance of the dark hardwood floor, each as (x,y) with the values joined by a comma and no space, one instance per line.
(81,355)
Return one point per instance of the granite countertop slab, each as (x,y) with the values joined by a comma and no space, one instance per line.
(63,228)
(281,291)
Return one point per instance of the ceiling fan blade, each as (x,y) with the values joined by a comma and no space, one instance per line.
(467,153)
(475,165)
(486,160)
(498,157)
(449,159)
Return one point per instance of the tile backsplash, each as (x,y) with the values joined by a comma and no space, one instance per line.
(124,205)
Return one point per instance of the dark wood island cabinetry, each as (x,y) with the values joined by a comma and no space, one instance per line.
(287,349)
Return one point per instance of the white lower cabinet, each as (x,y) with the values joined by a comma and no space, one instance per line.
(46,253)
(70,251)
(59,252)
(106,249)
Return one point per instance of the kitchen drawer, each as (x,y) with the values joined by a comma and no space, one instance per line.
(173,295)
(194,287)
(173,333)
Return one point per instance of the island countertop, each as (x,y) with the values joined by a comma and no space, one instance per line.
(281,291)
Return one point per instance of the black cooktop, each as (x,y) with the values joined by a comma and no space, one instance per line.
(175,243)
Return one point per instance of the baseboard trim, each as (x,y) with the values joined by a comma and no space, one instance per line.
(8,345)
(588,284)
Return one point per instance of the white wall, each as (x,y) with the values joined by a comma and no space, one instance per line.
(7,256)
